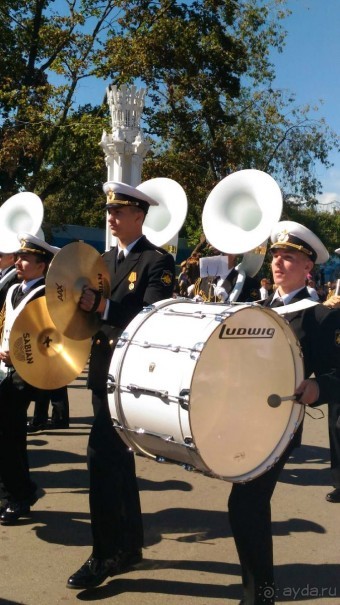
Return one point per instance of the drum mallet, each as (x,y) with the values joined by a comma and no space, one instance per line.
(275,400)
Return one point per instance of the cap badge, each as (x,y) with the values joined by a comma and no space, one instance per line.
(283,236)
(111,196)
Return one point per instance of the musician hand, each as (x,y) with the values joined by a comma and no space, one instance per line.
(333,302)
(6,358)
(92,301)
(220,292)
(308,391)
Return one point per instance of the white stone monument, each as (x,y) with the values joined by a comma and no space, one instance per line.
(125,147)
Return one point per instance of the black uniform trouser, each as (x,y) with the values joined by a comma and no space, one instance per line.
(116,519)
(334,441)
(60,406)
(250,521)
(14,468)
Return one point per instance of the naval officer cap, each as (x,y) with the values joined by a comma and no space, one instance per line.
(119,195)
(31,244)
(291,235)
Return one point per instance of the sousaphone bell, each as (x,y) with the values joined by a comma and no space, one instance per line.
(238,217)
(21,213)
(163,222)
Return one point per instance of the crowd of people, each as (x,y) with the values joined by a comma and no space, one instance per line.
(142,274)
(188,282)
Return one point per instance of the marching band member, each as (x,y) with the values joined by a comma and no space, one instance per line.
(32,261)
(141,274)
(294,249)
(228,284)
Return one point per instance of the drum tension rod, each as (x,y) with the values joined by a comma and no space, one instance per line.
(158,393)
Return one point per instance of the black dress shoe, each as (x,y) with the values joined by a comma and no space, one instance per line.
(334,496)
(13,511)
(35,427)
(57,424)
(95,571)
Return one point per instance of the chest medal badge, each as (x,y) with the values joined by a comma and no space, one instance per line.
(132,279)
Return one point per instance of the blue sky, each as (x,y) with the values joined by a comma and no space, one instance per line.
(310,67)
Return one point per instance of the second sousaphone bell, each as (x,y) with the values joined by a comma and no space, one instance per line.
(76,266)
(22,212)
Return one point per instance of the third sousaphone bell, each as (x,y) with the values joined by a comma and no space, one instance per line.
(238,217)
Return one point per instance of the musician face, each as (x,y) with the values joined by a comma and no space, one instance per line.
(6,260)
(29,266)
(126,223)
(289,268)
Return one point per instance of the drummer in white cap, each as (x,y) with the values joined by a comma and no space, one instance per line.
(302,248)
(294,250)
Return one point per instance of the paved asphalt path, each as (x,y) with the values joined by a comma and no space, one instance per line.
(189,553)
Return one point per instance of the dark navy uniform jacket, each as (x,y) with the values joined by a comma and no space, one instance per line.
(318,331)
(146,276)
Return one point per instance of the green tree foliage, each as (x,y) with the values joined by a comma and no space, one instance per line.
(211,105)
(48,144)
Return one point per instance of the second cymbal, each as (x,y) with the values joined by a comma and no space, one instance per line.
(41,355)
(74,267)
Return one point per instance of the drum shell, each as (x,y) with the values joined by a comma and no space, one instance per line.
(192,382)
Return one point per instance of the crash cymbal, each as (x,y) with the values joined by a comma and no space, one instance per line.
(41,355)
(76,265)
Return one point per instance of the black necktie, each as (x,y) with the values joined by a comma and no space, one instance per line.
(121,257)
(18,296)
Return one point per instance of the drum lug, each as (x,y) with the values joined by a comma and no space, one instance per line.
(196,350)
(189,441)
(147,309)
(184,403)
(188,467)
(122,340)
(111,384)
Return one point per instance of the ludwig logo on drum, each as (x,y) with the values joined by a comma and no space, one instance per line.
(250,332)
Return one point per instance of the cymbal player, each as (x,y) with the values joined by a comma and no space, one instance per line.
(141,274)
(32,261)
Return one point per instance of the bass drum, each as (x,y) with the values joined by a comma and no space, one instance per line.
(189,383)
